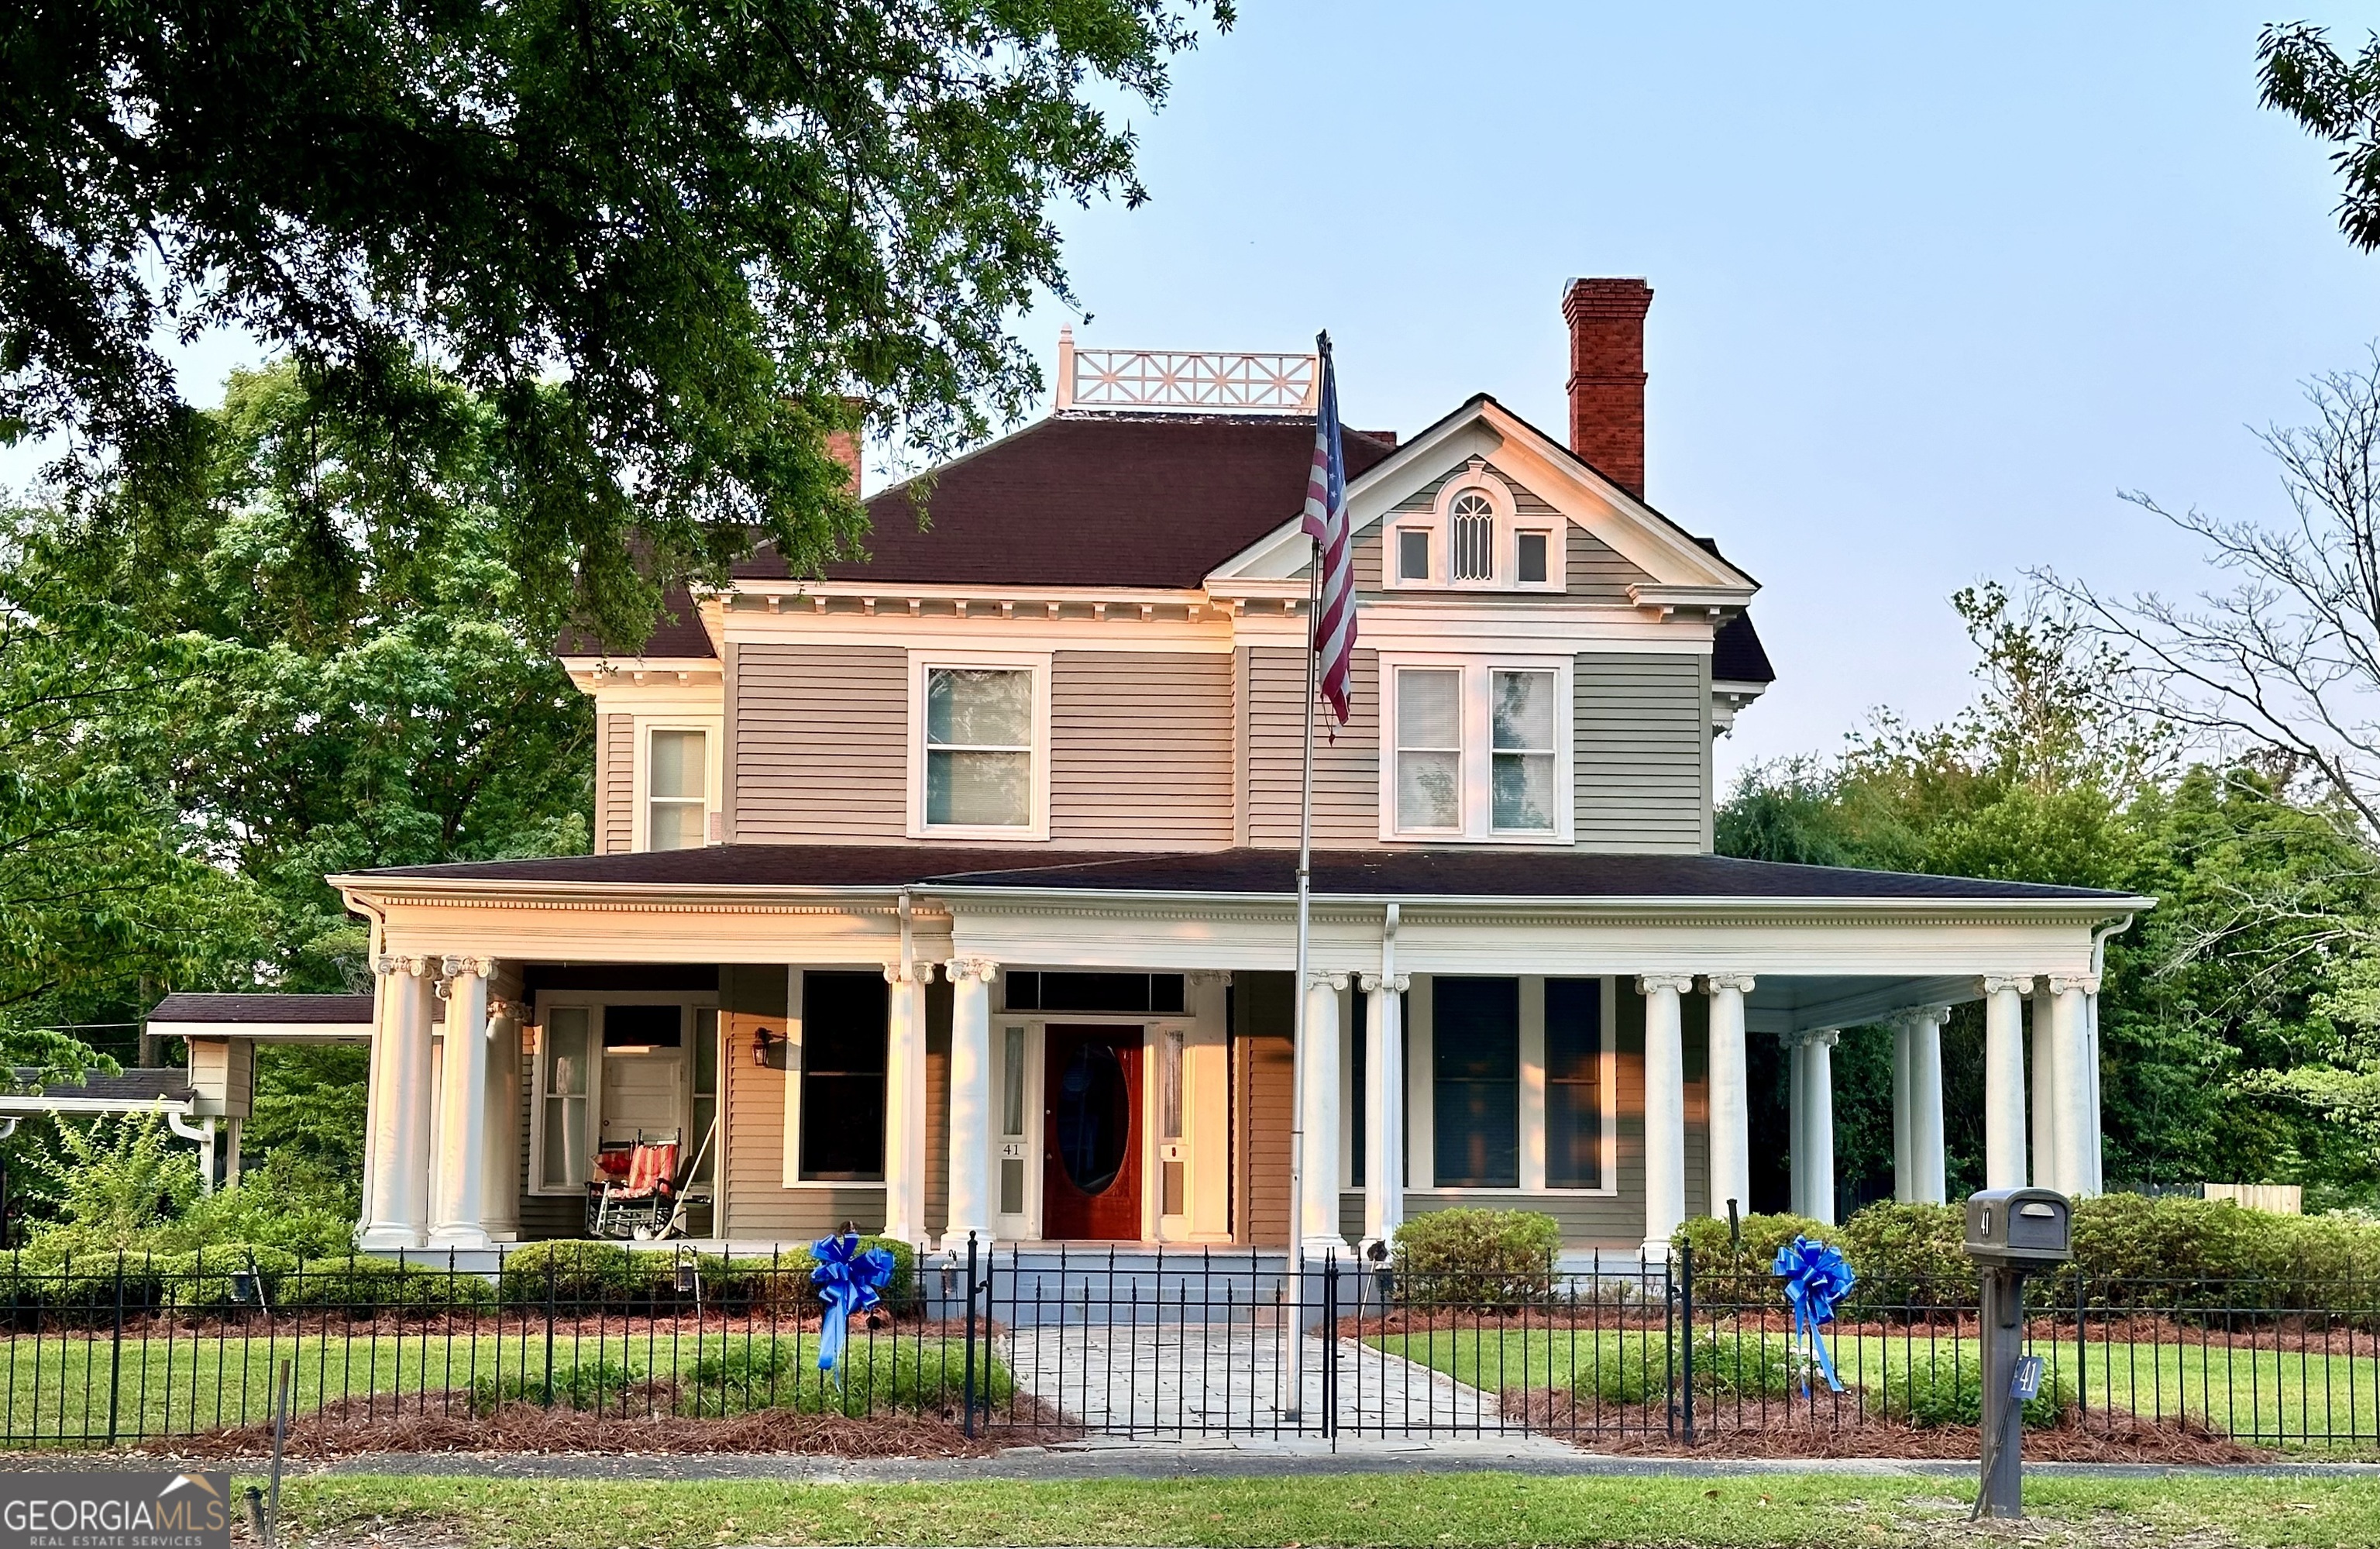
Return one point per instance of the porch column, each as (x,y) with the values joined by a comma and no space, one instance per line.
(904,1102)
(462,1109)
(1797,1124)
(499,1165)
(1730,1101)
(2075,1126)
(400,1077)
(1317,1205)
(1384,1106)
(1665,1109)
(1928,1166)
(2004,1079)
(1904,1117)
(2045,1083)
(970,1101)
(1818,1071)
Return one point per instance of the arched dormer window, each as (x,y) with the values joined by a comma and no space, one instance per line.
(1471,519)
(1473,536)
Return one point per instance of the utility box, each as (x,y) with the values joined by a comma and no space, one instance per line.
(2020,1228)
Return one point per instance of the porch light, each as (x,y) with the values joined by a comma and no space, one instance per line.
(685,1277)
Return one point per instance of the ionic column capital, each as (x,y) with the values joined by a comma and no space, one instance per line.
(1741,983)
(1921,1016)
(1810,1037)
(1654,984)
(394,963)
(982,971)
(2061,982)
(508,1010)
(1999,983)
(1208,976)
(921,972)
(1327,981)
(456,966)
(1371,983)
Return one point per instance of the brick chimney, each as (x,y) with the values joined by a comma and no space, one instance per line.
(843,445)
(1606,376)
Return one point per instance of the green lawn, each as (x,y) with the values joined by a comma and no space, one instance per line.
(1778,1511)
(2282,1399)
(56,1389)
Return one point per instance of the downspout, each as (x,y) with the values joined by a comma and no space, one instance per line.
(2099,939)
(204,1133)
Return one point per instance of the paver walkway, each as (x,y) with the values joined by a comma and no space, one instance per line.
(1188,1380)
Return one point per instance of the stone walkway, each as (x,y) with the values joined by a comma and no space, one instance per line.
(1189,1380)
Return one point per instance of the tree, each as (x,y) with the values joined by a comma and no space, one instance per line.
(663,246)
(2337,99)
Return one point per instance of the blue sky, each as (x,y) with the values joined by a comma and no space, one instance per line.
(1931,288)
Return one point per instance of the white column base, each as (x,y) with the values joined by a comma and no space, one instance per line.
(460,1239)
(384,1238)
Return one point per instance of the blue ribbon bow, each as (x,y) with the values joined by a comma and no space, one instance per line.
(1816,1278)
(849,1281)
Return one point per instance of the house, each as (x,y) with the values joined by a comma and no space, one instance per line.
(952,893)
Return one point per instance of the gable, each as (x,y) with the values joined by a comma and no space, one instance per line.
(1593,570)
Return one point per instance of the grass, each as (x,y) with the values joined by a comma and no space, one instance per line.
(57,1390)
(1792,1511)
(2273,1396)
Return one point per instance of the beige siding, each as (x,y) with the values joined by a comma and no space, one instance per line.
(1642,763)
(816,750)
(938,1107)
(1141,750)
(1262,1067)
(616,788)
(1595,572)
(1347,765)
(757,1205)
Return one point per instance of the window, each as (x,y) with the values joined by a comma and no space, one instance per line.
(1012,1121)
(1574,1083)
(1521,772)
(1430,749)
(1029,991)
(978,748)
(566,1059)
(701,1134)
(675,787)
(1473,522)
(1475,1071)
(1477,750)
(1412,553)
(1530,549)
(845,1025)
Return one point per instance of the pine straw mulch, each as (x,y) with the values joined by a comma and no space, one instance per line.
(1855,1432)
(447,1423)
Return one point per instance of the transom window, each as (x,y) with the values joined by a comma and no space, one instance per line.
(677,789)
(978,748)
(1474,518)
(1477,750)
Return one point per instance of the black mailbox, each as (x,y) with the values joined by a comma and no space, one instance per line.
(2017,1229)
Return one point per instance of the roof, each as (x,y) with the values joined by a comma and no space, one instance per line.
(131,1090)
(1139,500)
(1516,874)
(185,1008)
(1737,655)
(677,634)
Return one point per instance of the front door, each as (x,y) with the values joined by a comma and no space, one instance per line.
(1090,1128)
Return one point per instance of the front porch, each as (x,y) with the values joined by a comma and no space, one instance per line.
(1101,1049)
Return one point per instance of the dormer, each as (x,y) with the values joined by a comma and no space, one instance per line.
(1472,537)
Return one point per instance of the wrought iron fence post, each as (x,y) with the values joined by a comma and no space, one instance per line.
(1669,1337)
(115,1351)
(2081,1346)
(1686,1316)
(967,1385)
(549,1331)
(1330,1347)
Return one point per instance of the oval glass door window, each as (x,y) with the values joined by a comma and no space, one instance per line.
(1093,1117)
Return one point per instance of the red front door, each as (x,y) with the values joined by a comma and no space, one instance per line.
(1091,1133)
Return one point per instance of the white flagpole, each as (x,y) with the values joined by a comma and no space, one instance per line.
(1293,1405)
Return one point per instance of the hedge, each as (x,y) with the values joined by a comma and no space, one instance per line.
(1477,1257)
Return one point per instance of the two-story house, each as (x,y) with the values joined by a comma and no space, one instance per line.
(953,892)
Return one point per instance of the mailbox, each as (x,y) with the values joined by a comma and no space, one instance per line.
(2019,1228)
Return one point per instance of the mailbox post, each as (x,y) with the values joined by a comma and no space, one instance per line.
(2012,1234)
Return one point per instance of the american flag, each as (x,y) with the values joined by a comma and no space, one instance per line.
(1324,521)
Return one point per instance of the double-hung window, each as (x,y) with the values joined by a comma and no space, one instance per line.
(676,790)
(980,753)
(1477,750)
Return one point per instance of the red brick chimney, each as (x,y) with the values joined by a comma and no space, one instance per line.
(1606,376)
(843,445)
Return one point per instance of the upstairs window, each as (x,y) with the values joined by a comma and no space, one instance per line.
(1475,536)
(676,790)
(979,757)
(1472,517)
(1477,750)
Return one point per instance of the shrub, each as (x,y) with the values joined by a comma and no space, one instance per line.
(1745,1364)
(207,1279)
(592,1385)
(876,1374)
(782,1280)
(575,1273)
(1909,1255)
(1478,1257)
(369,1285)
(1951,1393)
(1761,1236)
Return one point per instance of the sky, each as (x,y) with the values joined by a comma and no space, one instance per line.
(1931,286)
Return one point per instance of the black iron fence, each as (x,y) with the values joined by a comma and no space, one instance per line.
(1004,1343)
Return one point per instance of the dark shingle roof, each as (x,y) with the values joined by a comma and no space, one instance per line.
(172,1083)
(1094,500)
(1737,655)
(190,1007)
(677,633)
(1375,873)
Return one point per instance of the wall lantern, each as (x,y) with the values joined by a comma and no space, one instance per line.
(763,1040)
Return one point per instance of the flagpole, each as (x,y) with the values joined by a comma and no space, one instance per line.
(1295,1407)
